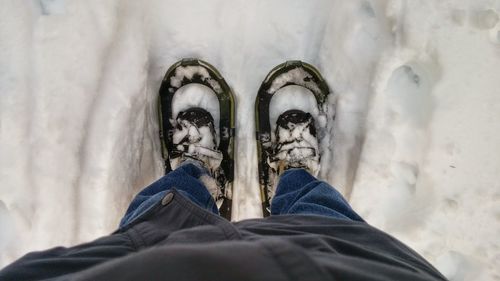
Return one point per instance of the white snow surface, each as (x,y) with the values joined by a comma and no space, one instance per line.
(414,145)
(298,76)
(188,72)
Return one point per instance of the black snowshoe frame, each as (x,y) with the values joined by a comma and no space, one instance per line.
(201,72)
(312,80)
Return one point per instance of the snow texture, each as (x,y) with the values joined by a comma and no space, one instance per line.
(412,131)
(298,76)
(189,72)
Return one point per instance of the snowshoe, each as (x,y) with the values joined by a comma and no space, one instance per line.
(295,143)
(191,134)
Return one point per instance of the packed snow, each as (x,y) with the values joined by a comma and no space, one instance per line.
(413,142)
(298,76)
(188,72)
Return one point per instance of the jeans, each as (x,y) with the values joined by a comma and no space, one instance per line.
(298,192)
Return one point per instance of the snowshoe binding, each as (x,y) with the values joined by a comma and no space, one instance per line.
(194,138)
(191,134)
(295,142)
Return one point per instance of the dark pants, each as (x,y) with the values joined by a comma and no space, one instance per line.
(171,231)
(297,193)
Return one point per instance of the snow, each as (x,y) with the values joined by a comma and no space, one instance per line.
(189,72)
(413,146)
(291,97)
(298,76)
(197,95)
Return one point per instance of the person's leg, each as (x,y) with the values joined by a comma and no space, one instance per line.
(140,229)
(186,179)
(298,192)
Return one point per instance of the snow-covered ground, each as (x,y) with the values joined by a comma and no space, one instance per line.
(414,147)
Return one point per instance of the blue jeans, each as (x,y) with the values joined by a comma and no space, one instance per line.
(298,192)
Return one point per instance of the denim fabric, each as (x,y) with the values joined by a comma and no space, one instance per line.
(185,179)
(298,192)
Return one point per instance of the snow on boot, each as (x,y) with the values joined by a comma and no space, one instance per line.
(296,143)
(195,138)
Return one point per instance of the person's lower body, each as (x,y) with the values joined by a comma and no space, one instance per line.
(187,179)
(298,192)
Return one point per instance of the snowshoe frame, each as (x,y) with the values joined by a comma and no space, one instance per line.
(312,81)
